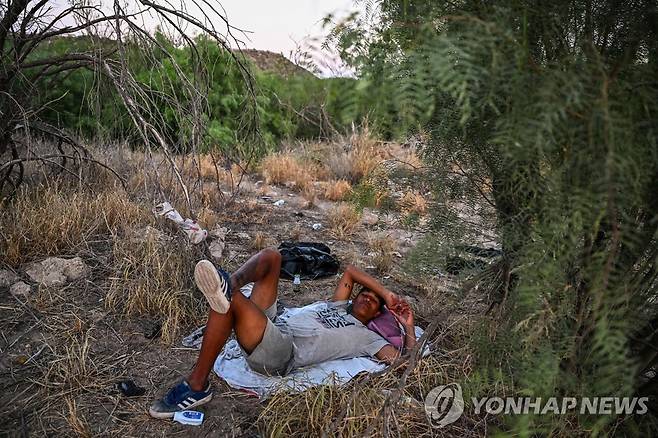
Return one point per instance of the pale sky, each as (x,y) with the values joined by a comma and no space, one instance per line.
(281,26)
(276,25)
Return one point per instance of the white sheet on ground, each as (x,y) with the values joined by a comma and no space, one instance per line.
(233,368)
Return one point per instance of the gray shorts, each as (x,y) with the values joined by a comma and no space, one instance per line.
(274,353)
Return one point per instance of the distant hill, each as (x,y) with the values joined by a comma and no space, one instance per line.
(274,63)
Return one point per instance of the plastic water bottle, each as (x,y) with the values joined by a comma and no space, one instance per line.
(192,418)
(296,282)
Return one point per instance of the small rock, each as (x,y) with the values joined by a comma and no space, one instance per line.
(217,249)
(219,232)
(6,363)
(279,203)
(152,233)
(7,278)
(55,271)
(152,329)
(21,290)
(369,218)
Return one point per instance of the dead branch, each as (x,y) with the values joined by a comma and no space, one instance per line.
(111,27)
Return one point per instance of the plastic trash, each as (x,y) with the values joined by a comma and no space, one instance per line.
(130,389)
(279,203)
(194,339)
(192,418)
(191,228)
(309,260)
(316,227)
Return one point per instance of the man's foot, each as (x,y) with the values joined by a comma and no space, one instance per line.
(180,398)
(215,285)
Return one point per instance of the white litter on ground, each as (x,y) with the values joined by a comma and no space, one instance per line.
(190,227)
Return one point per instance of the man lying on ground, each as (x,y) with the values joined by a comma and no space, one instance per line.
(337,331)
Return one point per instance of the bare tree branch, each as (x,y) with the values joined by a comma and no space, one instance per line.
(31,24)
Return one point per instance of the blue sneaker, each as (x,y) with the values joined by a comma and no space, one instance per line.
(215,285)
(179,398)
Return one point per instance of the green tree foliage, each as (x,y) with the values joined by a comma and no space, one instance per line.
(547,112)
(298,106)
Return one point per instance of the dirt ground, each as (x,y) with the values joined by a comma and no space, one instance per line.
(63,351)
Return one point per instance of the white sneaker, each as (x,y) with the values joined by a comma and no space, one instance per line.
(215,285)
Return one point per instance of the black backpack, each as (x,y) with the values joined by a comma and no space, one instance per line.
(309,260)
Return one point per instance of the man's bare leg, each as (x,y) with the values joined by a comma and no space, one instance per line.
(244,315)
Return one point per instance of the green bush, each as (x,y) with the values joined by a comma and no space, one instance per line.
(299,106)
(545,114)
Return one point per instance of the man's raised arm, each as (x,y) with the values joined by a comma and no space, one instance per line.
(353,275)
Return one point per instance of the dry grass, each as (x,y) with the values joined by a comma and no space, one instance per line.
(50,221)
(344,219)
(383,246)
(263,189)
(66,372)
(77,422)
(260,241)
(296,233)
(356,161)
(72,367)
(207,168)
(357,410)
(404,157)
(287,168)
(337,190)
(210,170)
(413,203)
(208,218)
(340,163)
(364,155)
(153,276)
(309,195)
